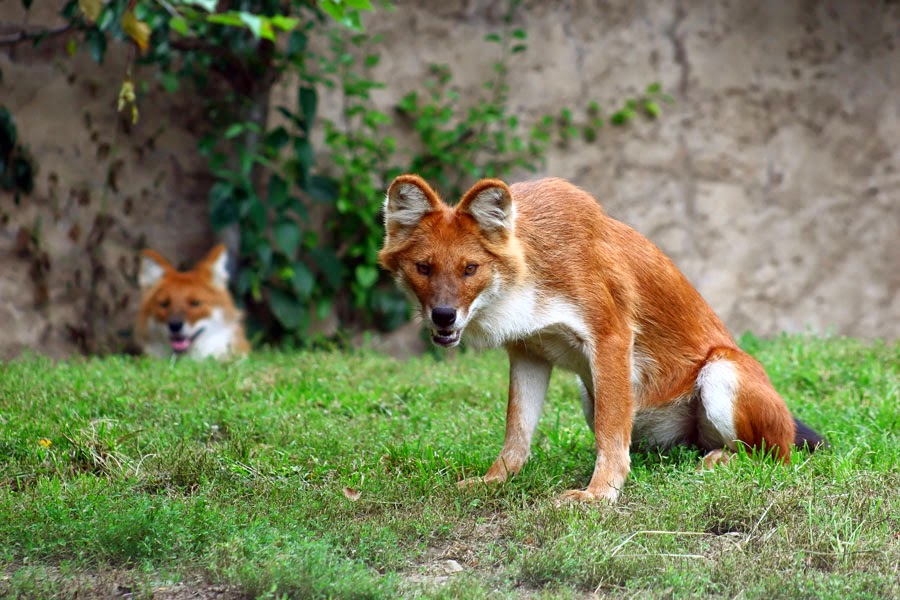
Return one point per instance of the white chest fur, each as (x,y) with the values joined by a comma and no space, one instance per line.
(551,327)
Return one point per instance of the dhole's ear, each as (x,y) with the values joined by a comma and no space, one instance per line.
(489,202)
(153,267)
(216,262)
(408,200)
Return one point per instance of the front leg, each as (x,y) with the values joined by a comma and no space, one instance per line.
(528,379)
(611,379)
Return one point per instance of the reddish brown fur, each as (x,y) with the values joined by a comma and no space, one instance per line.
(624,289)
(189,296)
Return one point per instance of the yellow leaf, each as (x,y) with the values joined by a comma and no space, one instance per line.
(136,30)
(128,98)
(90,9)
(45,442)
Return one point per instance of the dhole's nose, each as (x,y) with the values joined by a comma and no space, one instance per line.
(443,316)
(175,326)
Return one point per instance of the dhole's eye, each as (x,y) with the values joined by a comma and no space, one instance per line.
(194,303)
(470,270)
(165,303)
(423,269)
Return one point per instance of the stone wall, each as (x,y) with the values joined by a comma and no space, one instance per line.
(105,189)
(773,181)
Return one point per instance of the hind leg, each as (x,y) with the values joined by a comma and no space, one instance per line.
(738,405)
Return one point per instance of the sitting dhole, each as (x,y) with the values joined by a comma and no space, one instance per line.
(539,269)
(188,313)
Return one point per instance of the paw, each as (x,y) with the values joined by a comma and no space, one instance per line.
(714,458)
(471,482)
(610,495)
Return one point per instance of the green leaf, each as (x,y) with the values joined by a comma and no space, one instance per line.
(179,25)
(359,4)
(245,281)
(492,37)
(96,42)
(332,9)
(390,307)
(302,281)
(322,189)
(207,5)
(296,43)
(222,210)
(289,312)
(305,156)
(342,13)
(8,134)
(519,48)
(107,18)
(329,265)
(307,101)
(253,22)
(233,130)
(287,236)
(519,34)
(169,81)
(278,195)
(366,275)
(654,88)
(652,108)
(264,254)
(277,138)
(323,308)
(621,117)
(230,18)
(283,22)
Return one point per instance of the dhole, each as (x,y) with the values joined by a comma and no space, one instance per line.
(539,269)
(188,313)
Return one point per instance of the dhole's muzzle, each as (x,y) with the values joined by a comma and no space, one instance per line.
(443,332)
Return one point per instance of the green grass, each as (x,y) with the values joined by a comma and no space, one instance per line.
(242,479)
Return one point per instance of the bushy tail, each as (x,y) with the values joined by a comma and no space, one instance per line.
(808,438)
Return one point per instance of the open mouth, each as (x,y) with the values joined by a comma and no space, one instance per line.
(181,343)
(446,338)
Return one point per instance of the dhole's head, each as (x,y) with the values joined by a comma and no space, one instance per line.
(453,260)
(179,307)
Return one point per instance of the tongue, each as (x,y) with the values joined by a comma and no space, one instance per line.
(180,345)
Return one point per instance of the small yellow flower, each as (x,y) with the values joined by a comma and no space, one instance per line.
(45,442)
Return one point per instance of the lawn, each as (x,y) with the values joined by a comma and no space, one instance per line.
(333,475)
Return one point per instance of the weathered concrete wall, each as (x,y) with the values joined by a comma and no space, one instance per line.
(773,182)
(105,189)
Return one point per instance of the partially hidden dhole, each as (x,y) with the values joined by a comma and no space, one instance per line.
(188,313)
(539,269)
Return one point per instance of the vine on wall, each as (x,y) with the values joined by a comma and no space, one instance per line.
(305,222)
